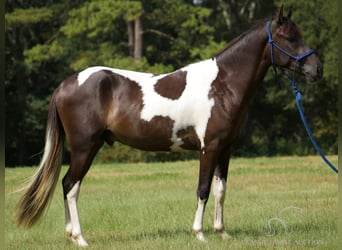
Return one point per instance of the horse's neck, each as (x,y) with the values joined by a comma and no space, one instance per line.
(246,62)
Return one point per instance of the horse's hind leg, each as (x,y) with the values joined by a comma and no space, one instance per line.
(219,191)
(81,160)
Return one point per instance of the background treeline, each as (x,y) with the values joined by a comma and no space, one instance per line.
(46,41)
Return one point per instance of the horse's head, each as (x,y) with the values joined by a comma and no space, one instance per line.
(289,49)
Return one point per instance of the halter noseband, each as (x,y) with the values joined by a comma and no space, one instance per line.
(274,44)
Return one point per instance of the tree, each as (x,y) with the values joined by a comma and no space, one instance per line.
(25,101)
(47,41)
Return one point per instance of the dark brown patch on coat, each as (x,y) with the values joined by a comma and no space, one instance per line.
(172,85)
(189,138)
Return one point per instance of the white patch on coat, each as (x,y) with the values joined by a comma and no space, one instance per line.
(191,109)
(132,75)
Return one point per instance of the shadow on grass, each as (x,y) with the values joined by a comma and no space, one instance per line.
(147,235)
(158,234)
(178,233)
(246,232)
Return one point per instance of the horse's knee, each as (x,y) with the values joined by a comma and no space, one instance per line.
(203,192)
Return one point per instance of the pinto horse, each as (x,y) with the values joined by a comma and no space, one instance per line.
(199,107)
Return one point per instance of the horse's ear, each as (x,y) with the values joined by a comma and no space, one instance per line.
(280,16)
(289,14)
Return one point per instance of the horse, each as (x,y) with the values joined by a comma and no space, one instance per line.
(201,107)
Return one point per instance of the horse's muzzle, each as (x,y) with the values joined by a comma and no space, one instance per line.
(313,69)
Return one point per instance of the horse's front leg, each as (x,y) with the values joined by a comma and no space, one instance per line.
(219,191)
(206,172)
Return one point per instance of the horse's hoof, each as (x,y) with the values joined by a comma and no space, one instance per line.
(200,236)
(79,241)
(223,234)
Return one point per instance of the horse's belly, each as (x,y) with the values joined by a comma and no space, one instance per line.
(156,135)
(158,144)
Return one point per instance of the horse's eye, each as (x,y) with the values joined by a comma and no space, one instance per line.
(291,39)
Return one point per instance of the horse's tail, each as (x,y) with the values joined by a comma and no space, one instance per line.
(39,190)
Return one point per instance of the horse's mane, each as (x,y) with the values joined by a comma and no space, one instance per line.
(244,36)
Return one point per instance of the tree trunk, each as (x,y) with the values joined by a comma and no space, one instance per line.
(137,39)
(130,33)
(225,14)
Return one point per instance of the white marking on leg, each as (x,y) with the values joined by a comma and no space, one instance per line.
(219,191)
(197,226)
(68,225)
(191,109)
(76,234)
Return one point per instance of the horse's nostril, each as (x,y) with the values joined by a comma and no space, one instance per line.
(319,69)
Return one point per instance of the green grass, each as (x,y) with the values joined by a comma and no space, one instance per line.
(271,203)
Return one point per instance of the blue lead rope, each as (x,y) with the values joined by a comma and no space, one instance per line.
(297,59)
(306,125)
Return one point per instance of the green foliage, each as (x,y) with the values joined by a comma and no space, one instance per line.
(28,16)
(42,52)
(47,41)
(96,18)
(207,51)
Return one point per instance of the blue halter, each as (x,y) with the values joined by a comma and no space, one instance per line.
(274,44)
(296,91)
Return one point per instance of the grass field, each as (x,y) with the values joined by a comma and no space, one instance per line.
(271,203)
